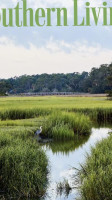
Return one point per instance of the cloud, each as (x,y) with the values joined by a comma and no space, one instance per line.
(55,57)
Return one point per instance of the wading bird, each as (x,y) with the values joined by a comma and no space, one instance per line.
(39,131)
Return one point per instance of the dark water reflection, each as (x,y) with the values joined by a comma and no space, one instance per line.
(66,147)
(102,125)
(63,156)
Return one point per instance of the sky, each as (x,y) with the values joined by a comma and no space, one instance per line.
(37,50)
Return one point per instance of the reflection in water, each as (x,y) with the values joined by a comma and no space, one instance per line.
(102,124)
(66,147)
(66,155)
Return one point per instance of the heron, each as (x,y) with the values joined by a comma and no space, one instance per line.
(39,131)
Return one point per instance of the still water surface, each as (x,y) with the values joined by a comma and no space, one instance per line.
(66,155)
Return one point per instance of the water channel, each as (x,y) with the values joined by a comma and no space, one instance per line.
(63,156)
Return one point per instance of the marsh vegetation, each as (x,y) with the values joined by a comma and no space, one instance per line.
(95,175)
(65,125)
(23,165)
(66,120)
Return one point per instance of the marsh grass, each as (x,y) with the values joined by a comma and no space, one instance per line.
(95,175)
(33,122)
(98,108)
(23,168)
(23,164)
(63,188)
(64,125)
(13,133)
(16,113)
(100,115)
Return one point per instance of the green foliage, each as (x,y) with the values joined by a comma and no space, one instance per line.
(22,113)
(109,78)
(23,170)
(62,119)
(98,80)
(23,165)
(4,87)
(110,94)
(33,122)
(64,125)
(98,108)
(99,115)
(96,173)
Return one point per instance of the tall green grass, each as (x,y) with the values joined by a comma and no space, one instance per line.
(99,108)
(65,125)
(33,122)
(96,174)
(100,115)
(23,164)
(23,113)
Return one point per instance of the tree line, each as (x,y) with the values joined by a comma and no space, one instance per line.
(99,80)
